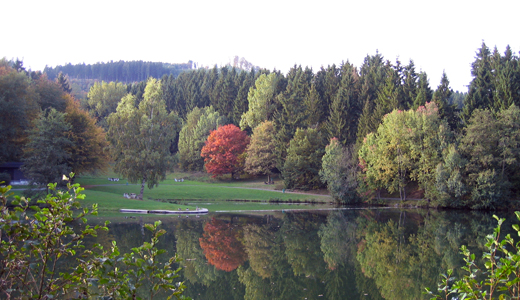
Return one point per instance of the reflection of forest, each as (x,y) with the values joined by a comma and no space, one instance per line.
(351,254)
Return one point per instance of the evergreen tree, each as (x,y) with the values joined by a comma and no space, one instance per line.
(327,84)
(243,83)
(372,78)
(46,155)
(410,87)
(291,115)
(481,88)
(424,92)
(226,93)
(442,97)
(63,81)
(388,98)
(507,80)
(314,107)
(345,110)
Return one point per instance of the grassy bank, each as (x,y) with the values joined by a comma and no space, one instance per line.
(197,189)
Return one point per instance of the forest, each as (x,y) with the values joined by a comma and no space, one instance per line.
(362,132)
(125,71)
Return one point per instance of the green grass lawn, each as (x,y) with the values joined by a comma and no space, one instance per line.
(109,195)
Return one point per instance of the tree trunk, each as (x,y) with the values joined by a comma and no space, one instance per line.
(142,188)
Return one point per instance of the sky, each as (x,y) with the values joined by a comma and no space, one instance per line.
(273,34)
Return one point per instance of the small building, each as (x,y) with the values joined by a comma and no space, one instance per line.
(13,169)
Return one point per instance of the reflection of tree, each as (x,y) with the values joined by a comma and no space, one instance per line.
(258,241)
(402,260)
(221,245)
(385,258)
(282,282)
(336,238)
(338,283)
(302,248)
(196,269)
(256,287)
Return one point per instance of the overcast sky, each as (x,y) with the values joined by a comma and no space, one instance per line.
(436,35)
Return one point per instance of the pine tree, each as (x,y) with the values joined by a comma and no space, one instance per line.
(424,92)
(63,81)
(481,87)
(441,97)
(507,77)
(314,107)
(345,110)
(410,86)
(372,78)
(388,98)
(291,115)
(244,81)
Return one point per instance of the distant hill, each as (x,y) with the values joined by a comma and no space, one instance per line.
(122,71)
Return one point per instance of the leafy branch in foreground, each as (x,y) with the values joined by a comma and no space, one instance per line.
(42,256)
(498,279)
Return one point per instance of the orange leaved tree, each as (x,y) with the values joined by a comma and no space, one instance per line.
(224,150)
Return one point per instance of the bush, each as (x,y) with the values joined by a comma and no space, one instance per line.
(501,271)
(36,240)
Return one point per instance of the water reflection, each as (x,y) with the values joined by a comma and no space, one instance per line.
(346,254)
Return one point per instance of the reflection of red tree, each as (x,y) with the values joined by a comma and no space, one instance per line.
(221,246)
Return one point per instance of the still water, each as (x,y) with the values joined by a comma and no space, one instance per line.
(325,254)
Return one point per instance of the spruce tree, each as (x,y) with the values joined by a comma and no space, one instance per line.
(442,97)
(424,92)
(372,78)
(290,115)
(481,87)
(345,110)
(410,86)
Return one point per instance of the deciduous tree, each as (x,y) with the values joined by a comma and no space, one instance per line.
(261,159)
(193,135)
(87,153)
(339,171)
(140,138)
(261,100)
(224,149)
(103,99)
(303,163)
(18,107)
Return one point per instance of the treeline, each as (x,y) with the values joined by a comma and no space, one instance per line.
(410,127)
(348,254)
(124,71)
(45,127)
(362,132)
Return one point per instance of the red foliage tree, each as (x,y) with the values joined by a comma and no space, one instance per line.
(224,150)
(221,245)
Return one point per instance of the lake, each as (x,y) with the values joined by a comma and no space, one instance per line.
(320,254)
